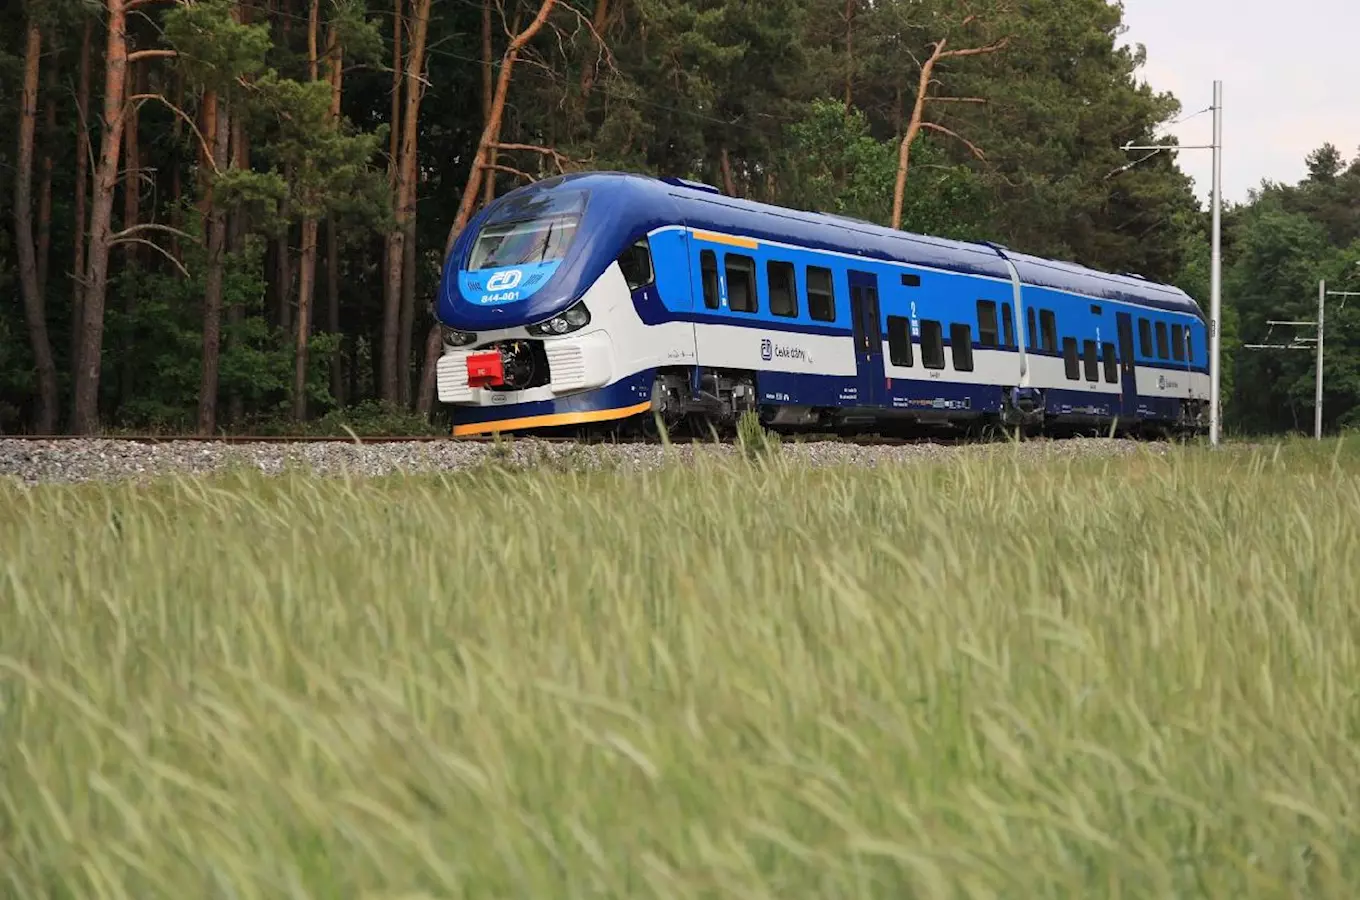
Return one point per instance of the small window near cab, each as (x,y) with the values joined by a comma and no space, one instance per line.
(1162,351)
(1111,364)
(636,265)
(899,341)
(911,281)
(1008,324)
(741,283)
(783,290)
(1145,338)
(821,294)
(932,344)
(1088,357)
(1189,345)
(1048,323)
(987,330)
(1178,343)
(1070,360)
(961,343)
(1031,331)
(708,269)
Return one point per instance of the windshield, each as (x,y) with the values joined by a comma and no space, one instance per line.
(518,243)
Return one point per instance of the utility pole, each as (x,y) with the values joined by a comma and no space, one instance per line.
(1215,252)
(1308,343)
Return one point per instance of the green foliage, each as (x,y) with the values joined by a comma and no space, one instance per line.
(215,50)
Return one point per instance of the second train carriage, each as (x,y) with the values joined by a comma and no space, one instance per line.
(613,298)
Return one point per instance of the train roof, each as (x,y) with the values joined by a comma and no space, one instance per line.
(703,206)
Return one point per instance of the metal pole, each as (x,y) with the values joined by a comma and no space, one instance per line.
(1216,275)
(1317,407)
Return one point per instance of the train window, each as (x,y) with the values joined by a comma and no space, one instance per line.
(911,281)
(1088,356)
(1095,309)
(932,344)
(1111,364)
(1032,332)
(1178,343)
(1161,341)
(1145,337)
(821,294)
(899,341)
(636,265)
(741,283)
(961,343)
(1048,326)
(1070,358)
(1189,345)
(708,269)
(1008,324)
(987,330)
(783,291)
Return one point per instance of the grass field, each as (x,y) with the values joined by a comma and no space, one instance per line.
(984,678)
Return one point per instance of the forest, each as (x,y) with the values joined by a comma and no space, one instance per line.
(230,215)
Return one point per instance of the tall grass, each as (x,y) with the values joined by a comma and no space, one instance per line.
(1133,678)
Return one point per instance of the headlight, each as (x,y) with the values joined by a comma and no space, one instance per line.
(455,337)
(563,323)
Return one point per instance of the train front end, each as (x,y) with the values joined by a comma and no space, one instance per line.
(525,309)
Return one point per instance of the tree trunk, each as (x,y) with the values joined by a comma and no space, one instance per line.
(408,307)
(393,246)
(45,191)
(132,189)
(490,136)
(307,262)
(239,225)
(45,419)
(849,18)
(399,372)
(82,195)
(336,57)
(725,167)
(489,94)
(213,280)
(306,277)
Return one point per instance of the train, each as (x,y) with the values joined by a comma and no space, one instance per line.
(628,303)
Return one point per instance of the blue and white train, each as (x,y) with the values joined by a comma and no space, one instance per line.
(615,298)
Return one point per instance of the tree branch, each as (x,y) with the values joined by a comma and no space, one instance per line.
(207,152)
(154,246)
(151,54)
(557,157)
(127,233)
(959,100)
(967,143)
(974,51)
(498,167)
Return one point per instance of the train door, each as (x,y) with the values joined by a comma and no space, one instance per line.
(1128,370)
(868,336)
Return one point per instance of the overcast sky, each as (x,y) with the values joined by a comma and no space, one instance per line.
(1290,73)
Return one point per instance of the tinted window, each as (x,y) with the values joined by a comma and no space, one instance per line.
(783,291)
(821,294)
(1111,364)
(708,268)
(911,281)
(961,343)
(517,243)
(932,344)
(1070,360)
(987,330)
(741,282)
(1088,356)
(1162,352)
(1008,324)
(1145,337)
(1048,325)
(899,341)
(636,265)
(1032,331)
(1189,345)
(1178,342)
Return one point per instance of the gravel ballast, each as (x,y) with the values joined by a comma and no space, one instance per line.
(69,461)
